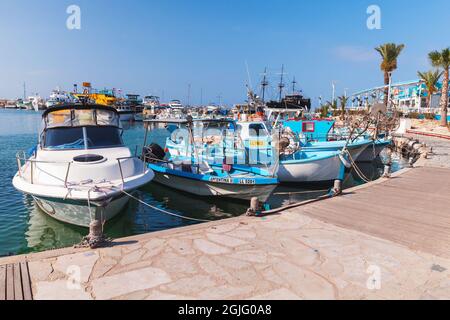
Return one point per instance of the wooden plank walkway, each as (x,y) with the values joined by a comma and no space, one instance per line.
(412,209)
(15,282)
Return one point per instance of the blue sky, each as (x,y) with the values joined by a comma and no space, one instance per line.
(160,47)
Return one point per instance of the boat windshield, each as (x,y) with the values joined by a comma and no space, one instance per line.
(81,117)
(75,138)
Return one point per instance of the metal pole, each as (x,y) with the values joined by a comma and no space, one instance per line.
(333,85)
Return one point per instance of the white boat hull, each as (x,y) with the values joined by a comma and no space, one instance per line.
(355,151)
(201,188)
(78,212)
(317,171)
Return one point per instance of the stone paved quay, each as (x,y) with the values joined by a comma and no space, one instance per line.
(311,252)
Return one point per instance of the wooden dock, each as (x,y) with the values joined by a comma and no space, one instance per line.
(412,209)
(15,282)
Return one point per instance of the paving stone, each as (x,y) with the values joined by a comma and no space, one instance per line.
(190,286)
(125,283)
(158,295)
(133,257)
(222,228)
(279,294)
(79,263)
(225,240)
(209,247)
(181,246)
(224,292)
(59,290)
(40,270)
(258,256)
(176,264)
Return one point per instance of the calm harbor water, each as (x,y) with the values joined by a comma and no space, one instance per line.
(24,228)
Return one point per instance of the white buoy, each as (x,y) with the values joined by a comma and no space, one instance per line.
(337,189)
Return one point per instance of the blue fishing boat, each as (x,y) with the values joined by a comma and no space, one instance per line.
(296,164)
(190,170)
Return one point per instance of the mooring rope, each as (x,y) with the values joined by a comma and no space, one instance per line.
(164,211)
(357,170)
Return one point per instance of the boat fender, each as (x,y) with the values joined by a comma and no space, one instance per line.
(153,152)
(32,151)
(345,161)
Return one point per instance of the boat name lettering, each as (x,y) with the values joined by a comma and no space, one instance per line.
(221,180)
(247,181)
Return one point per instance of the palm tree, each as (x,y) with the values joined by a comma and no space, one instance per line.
(332,104)
(324,110)
(442,60)
(431,79)
(389,53)
(344,99)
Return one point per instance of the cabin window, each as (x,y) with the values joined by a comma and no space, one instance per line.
(308,127)
(257,130)
(76,138)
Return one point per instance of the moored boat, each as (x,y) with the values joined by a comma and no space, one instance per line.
(125,112)
(80,168)
(201,175)
(374,149)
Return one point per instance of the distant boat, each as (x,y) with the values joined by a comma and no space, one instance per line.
(58,97)
(11,104)
(125,112)
(176,105)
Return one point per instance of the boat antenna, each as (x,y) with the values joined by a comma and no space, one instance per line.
(248,75)
(264,84)
(281,85)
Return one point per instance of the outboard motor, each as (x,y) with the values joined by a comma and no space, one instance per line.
(153,153)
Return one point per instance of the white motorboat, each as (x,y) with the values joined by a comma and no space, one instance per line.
(59,97)
(125,112)
(11,104)
(80,169)
(176,105)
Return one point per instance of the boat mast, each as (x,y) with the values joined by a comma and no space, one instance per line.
(281,85)
(294,82)
(264,84)
(24,91)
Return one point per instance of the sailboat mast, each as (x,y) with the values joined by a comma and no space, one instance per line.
(281,85)
(24,91)
(294,82)
(264,84)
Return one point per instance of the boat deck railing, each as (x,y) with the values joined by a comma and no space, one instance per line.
(22,159)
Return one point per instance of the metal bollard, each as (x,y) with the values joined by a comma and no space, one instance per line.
(95,233)
(387,171)
(254,207)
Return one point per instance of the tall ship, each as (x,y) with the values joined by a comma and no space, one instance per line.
(294,100)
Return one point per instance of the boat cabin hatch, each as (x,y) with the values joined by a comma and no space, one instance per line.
(84,127)
(313,130)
